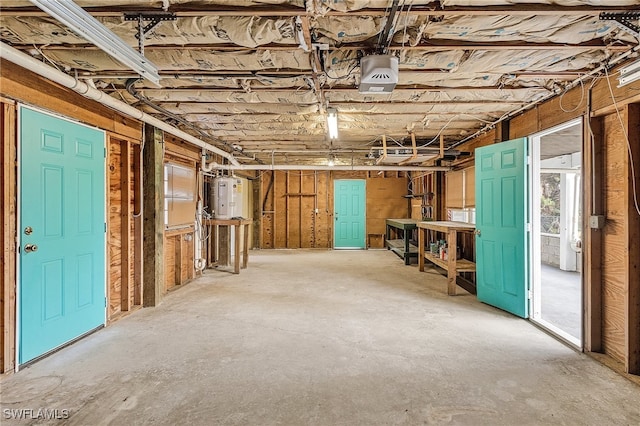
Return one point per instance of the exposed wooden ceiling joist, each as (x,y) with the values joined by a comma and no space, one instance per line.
(266,83)
(433,46)
(275,11)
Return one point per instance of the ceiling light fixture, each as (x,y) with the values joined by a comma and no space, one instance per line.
(77,19)
(332,160)
(332,122)
(629,74)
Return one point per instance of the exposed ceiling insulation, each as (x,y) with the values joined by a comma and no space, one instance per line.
(260,74)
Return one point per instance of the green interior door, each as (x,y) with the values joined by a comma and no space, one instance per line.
(501,236)
(62,232)
(350,218)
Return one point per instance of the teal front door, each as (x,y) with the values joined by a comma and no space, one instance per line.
(62,232)
(501,236)
(350,219)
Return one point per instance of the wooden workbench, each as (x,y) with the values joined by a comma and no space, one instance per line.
(398,238)
(241,227)
(452,265)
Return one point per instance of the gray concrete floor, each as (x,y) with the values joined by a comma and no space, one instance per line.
(562,299)
(322,338)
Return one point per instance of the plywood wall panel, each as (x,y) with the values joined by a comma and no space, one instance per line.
(524,124)
(133,187)
(116,231)
(169,263)
(187,259)
(385,200)
(324,218)
(454,191)
(601,92)
(614,244)
(470,187)
(114,227)
(633,244)
(561,109)
(295,219)
(303,227)
(267,209)
(280,202)
(307,209)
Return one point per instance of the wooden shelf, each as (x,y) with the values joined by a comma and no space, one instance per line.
(462,265)
(401,246)
(453,266)
(398,247)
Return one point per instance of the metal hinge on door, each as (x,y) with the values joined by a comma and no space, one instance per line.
(529,294)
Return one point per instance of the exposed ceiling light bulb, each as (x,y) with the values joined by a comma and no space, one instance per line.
(332,160)
(332,122)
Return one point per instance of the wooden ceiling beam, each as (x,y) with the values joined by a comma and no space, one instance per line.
(274,11)
(434,45)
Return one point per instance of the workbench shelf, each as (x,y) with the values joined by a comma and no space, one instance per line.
(399,238)
(427,231)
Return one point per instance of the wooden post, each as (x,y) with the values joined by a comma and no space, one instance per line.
(286,210)
(137,232)
(224,245)
(236,247)
(593,205)
(257,211)
(245,246)
(178,259)
(8,235)
(421,248)
(632,305)
(451,262)
(125,225)
(439,211)
(153,227)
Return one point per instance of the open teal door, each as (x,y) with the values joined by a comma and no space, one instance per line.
(501,226)
(62,232)
(350,218)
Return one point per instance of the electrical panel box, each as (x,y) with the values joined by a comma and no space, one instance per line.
(228,197)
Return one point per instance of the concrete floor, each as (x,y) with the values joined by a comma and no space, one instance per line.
(322,338)
(562,299)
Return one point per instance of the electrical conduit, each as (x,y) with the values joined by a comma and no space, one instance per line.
(17,57)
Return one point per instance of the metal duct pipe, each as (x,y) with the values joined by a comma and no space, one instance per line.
(336,167)
(17,57)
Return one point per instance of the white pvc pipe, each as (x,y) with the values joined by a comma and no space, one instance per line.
(335,167)
(203,164)
(17,57)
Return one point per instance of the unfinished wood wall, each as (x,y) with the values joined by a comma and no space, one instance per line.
(612,257)
(21,85)
(620,253)
(124,226)
(8,199)
(296,207)
(179,244)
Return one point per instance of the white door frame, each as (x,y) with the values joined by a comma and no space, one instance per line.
(535,302)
